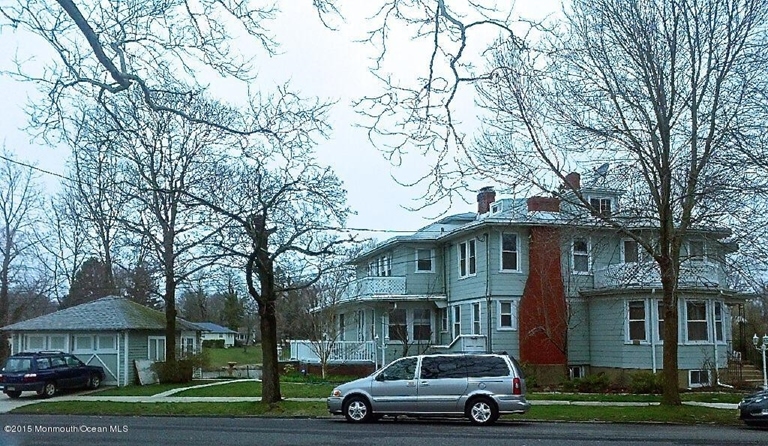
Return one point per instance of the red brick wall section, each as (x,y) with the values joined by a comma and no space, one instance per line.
(543,313)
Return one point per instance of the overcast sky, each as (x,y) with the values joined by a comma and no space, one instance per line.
(318,62)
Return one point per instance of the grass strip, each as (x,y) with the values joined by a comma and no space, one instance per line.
(650,414)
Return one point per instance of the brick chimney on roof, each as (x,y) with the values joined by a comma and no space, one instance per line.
(485,197)
(544,204)
(574,179)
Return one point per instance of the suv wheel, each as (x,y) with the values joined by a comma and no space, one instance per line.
(94,382)
(49,389)
(482,411)
(13,394)
(357,409)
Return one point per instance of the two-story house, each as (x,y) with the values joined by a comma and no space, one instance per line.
(562,294)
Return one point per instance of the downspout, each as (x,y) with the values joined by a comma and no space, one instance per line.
(714,339)
(654,330)
(449,316)
(489,347)
(125,358)
(117,368)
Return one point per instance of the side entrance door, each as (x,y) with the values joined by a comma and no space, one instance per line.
(395,389)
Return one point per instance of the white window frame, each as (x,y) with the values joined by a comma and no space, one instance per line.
(512,315)
(185,344)
(444,320)
(588,254)
(412,325)
(629,321)
(719,332)
(697,258)
(431,261)
(360,325)
(456,317)
(496,207)
(624,242)
(50,338)
(477,318)
(97,343)
(160,352)
(467,251)
(699,384)
(27,342)
(688,321)
(516,252)
(600,202)
(77,347)
(658,309)
(404,324)
(342,327)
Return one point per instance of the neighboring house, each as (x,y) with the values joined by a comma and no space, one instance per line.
(111,332)
(213,332)
(562,294)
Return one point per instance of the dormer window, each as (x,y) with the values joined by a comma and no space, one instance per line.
(496,208)
(601,206)
(696,250)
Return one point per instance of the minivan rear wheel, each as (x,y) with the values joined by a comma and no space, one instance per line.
(357,409)
(482,411)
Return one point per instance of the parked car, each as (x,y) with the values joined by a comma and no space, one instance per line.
(753,409)
(46,372)
(480,387)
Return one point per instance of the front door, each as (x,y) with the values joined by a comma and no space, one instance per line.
(394,389)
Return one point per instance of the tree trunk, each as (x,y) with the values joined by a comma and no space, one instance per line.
(671,394)
(5,318)
(170,302)
(270,379)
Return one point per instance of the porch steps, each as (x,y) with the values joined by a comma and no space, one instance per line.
(749,376)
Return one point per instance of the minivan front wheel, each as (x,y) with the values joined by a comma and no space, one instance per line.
(357,409)
(482,411)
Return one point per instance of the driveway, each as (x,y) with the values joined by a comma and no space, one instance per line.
(8,404)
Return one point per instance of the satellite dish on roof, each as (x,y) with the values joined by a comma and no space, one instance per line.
(602,170)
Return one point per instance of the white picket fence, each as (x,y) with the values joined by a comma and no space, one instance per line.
(340,351)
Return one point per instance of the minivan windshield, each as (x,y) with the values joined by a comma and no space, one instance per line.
(18,365)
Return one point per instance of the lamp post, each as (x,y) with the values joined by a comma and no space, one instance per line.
(762,347)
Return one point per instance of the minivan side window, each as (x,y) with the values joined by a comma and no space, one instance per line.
(399,370)
(442,367)
(486,366)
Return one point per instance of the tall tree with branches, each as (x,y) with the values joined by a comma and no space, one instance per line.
(20,201)
(285,212)
(669,92)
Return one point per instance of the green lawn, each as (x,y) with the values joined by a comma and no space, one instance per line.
(220,357)
(253,388)
(654,414)
(706,397)
(148,390)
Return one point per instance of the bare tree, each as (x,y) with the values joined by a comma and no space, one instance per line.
(20,200)
(155,50)
(286,211)
(160,158)
(667,91)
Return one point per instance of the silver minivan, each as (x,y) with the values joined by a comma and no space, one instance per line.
(478,386)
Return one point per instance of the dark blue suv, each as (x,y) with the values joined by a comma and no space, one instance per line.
(46,372)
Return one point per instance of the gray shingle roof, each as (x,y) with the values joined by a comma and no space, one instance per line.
(107,313)
(214,328)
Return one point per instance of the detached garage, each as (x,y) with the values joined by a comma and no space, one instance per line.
(111,332)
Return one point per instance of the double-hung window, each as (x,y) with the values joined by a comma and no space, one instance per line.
(718,321)
(602,206)
(456,320)
(696,320)
(422,325)
(696,250)
(156,348)
(467,258)
(509,252)
(476,318)
(425,260)
(629,251)
(507,311)
(580,252)
(398,330)
(660,318)
(636,320)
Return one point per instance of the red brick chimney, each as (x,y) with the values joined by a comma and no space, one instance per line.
(545,204)
(574,179)
(485,197)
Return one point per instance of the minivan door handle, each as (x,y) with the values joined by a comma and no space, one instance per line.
(424,383)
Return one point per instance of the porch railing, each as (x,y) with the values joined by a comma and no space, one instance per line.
(339,352)
(375,286)
(648,274)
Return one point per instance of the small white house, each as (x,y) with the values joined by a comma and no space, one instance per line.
(211,331)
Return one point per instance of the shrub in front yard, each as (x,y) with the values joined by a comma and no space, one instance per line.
(181,371)
(598,383)
(647,382)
